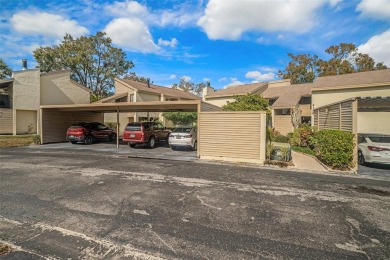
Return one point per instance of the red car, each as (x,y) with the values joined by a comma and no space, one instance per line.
(89,132)
(145,133)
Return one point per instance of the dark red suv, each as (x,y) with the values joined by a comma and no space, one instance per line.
(145,133)
(89,132)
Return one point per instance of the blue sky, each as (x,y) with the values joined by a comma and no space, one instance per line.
(225,41)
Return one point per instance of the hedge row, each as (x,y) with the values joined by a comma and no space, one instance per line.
(335,148)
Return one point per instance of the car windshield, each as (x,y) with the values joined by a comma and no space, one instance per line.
(182,130)
(133,127)
(380,139)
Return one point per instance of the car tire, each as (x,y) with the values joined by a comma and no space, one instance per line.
(112,137)
(73,142)
(151,142)
(195,147)
(132,145)
(88,139)
(173,147)
(361,159)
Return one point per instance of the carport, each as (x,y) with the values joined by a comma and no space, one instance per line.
(218,131)
(356,115)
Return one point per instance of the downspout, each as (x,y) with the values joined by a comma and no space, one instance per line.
(117,127)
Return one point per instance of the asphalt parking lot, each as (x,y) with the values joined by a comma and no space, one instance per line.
(78,203)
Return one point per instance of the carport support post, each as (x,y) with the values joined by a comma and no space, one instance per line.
(197,131)
(354,132)
(263,137)
(117,127)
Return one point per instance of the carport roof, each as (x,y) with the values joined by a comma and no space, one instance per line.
(151,106)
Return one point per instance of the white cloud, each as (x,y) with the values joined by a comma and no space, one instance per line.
(222,79)
(180,18)
(280,36)
(233,83)
(186,78)
(379,9)
(333,3)
(46,24)
(131,34)
(172,43)
(230,19)
(127,9)
(378,47)
(173,76)
(206,80)
(258,76)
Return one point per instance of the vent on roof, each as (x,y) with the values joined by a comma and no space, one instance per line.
(24,64)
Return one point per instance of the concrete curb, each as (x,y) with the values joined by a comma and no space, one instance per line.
(326,167)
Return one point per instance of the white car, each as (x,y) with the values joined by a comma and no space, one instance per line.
(373,148)
(183,137)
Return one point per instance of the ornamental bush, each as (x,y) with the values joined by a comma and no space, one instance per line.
(335,148)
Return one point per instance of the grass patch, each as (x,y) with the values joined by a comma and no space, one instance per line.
(18,140)
(304,150)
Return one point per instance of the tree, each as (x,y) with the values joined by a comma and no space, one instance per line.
(344,58)
(248,102)
(181,118)
(300,69)
(5,71)
(93,61)
(184,85)
(189,86)
(133,76)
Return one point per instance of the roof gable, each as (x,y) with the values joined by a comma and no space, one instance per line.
(359,78)
(238,90)
(154,89)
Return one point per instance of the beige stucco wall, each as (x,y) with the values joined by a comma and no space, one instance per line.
(282,124)
(325,97)
(373,122)
(305,110)
(220,101)
(26,119)
(26,89)
(58,89)
(124,118)
(143,97)
(121,88)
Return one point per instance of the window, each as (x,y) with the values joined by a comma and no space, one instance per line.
(306,120)
(123,99)
(271,101)
(131,97)
(305,101)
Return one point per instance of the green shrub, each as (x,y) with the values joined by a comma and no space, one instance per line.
(111,125)
(335,148)
(281,139)
(271,134)
(302,136)
(36,139)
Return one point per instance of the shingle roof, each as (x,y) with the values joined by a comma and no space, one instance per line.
(367,77)
(238,90)
(160,90)
(287,96)
(110,98)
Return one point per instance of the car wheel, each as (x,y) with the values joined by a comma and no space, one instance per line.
(112,137)
(195,147)
(73,142)
(132,145)
(361,159)
(88,139)
(152,142)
